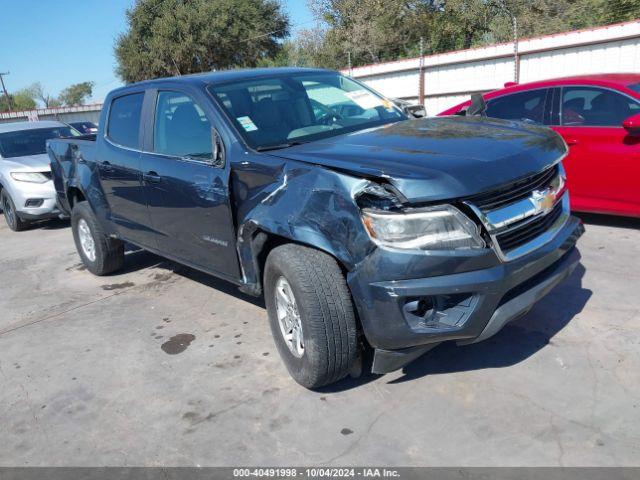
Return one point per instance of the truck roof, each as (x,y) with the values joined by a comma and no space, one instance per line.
(224,76)
(17,126)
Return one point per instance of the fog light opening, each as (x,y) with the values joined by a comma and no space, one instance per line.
(34,202)
(419,310)
(423,307)
(439,311)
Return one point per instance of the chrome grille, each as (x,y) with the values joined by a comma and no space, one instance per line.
(514,192)
(525,214)
(519,235)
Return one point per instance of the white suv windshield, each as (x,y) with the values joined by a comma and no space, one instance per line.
(275,112)
(21,143)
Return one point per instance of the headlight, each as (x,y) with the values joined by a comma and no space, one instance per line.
(33,177)
(434,228)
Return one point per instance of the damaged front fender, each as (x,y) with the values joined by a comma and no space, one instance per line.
(296,202)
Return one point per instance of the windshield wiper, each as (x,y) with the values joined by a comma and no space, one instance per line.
(264,148)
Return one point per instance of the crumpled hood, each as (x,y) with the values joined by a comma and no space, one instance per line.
(438,158)
(31,163)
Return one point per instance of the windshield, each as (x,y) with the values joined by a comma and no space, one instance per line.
(277,112)
(635,87)
(21,143)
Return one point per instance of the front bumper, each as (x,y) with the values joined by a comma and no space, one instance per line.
(44,193)
(467,296)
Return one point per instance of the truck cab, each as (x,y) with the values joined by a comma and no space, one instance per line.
(362,228)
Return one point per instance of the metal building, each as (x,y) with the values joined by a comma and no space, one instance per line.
(451,77)
(76,113)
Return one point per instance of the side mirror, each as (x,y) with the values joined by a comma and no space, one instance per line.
(632,125)
(415,111)
(478,105)
(218,153)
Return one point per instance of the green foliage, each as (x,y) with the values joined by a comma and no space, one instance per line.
(28,98)
(379,30)
(371,30)
(77,93)
(4,105)
(621,10)
(54,102)
(20,100)
(542,17)
(38,93)
(176,37)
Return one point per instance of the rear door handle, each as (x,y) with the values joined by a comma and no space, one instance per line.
(572,141)
(151,177)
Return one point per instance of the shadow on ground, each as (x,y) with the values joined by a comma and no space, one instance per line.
(55,224)
(609,220)
(138,259)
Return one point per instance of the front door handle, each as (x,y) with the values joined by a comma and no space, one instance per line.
(572,141)
(151,177)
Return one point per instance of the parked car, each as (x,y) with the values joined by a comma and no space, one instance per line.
(365,230)
(26,190)
(599,118)
(86,128)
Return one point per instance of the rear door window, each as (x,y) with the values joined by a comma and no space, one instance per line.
(522,106)
(596,107)
(123,126)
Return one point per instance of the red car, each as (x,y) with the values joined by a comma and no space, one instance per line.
(599,118)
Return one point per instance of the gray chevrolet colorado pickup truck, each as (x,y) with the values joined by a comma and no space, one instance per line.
(363,229)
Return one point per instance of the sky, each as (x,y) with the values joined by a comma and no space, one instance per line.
(62,42)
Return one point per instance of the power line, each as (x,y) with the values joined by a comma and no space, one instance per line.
(277,31)
(6,94)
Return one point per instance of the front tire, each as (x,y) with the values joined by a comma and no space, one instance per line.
(14,222)
(99,253)
(311,314)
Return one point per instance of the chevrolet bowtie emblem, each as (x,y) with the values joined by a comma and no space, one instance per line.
(543,201)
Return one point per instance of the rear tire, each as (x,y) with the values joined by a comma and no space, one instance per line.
(14,222)
(323,308)
(99,253)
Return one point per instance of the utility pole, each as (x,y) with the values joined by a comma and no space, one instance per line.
(6,94)
(349,60)
(421,73)
(516,56)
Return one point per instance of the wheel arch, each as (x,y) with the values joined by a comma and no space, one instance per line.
(75,195)
(255,242)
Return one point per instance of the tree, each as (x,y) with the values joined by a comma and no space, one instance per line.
(371,30)
(542,17)
(621,10)
(4,105)
(38,93)
(77,93)
(307,49)
(20,100)
(175,37)
(379,30)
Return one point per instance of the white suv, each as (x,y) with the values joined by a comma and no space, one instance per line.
(26,189)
